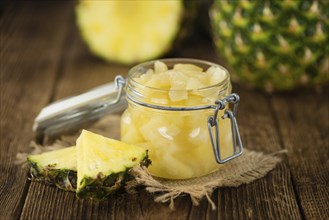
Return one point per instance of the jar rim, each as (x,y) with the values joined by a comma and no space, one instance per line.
(135,69)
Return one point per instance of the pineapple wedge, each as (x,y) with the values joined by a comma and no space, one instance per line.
(57,167)
(95,168)
(103,164)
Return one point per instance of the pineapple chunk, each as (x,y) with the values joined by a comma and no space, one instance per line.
(160,67)
(194,83)
(176,167)
(226,148)
(57,167)
(178,95)
(187,68)
(103,164)
(129,130)
(216,75)
(184,84)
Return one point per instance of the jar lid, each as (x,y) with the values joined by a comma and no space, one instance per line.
(70,113)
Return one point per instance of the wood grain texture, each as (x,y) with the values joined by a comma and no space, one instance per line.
(41,50)
(31,48)
(304,127)
(81,70)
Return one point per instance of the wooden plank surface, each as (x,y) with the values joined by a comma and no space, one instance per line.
(31,48)
(304,128)
(42,51)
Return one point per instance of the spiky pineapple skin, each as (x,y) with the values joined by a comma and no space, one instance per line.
(273,45)
(64,179)
(103,186)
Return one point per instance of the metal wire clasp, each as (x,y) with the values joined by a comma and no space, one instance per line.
(119,83)
(213,122)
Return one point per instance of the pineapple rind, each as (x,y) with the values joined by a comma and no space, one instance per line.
(103,186)
(64,179)
(57,168)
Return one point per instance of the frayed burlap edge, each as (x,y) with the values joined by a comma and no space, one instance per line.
(245,169)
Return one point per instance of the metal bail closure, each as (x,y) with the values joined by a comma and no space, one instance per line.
(72,112)
(119,82)
(213,122)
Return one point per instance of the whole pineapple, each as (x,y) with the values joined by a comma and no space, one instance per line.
(274,45)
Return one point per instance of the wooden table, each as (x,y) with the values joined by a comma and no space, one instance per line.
(43,59)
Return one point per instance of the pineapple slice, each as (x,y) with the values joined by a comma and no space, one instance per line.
(103,164)
(57,167)
(95,168)
(129,31)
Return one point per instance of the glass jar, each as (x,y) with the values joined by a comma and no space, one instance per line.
(181,136)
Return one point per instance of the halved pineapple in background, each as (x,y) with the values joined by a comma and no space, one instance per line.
(129,31)
(103,164)
(57,167)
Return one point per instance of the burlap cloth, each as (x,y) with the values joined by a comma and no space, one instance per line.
(250,166)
